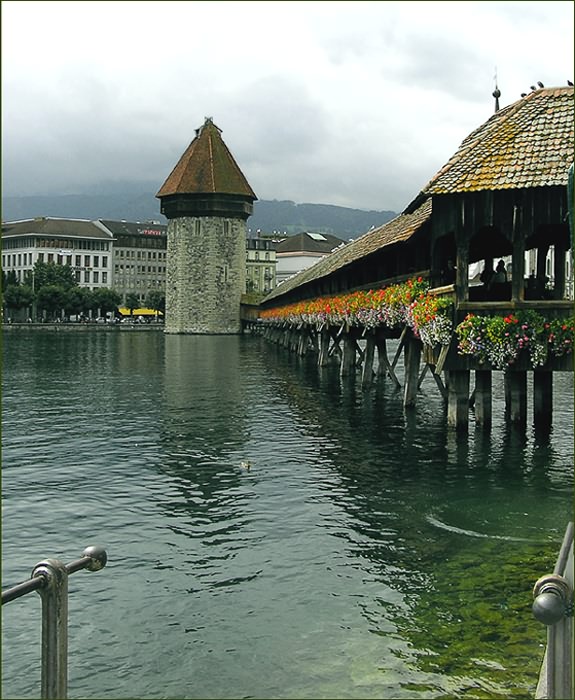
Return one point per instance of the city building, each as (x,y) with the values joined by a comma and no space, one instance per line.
(139,257)
(86,246)
(128,257)
(300,251)
(260,265)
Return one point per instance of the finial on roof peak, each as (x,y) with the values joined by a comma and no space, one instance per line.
(497,94)
(208,121)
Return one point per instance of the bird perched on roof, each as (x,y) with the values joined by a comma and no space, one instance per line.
(540,84)
(569,83)
(523,94)
(533,87)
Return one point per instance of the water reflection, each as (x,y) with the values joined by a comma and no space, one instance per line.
(362,548)
(459,525)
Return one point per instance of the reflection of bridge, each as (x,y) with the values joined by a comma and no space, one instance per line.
(503,195)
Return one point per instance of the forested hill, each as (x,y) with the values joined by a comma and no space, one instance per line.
(268,216)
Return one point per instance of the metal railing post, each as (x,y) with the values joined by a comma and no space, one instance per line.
(50,579)
(553,606)
(54,594)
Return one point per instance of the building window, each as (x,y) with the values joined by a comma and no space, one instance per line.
(104,278)
(96,261)
(96,277)
(86,261)
(86,276)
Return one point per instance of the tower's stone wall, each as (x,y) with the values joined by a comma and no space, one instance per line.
(205,274)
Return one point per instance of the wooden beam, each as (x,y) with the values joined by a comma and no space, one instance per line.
(458,399)
(412,361)
(483,398)
(368,357)
(542,398)
(399,347)
(516,396)
(384,364)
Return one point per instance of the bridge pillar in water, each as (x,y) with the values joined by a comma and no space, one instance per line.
(323,356)
(412,362)
(458,399)
(516,396)
(542,398)
(348,355)
(302,342)
(367,371)
(483,398)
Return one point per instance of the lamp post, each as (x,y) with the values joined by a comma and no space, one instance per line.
(33,295)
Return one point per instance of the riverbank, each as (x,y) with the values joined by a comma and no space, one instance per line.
(82,327)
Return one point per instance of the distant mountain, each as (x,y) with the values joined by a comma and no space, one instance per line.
(268,217)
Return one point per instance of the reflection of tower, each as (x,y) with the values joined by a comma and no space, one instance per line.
(207,200)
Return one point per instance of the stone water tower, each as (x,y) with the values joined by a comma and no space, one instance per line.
(207,201)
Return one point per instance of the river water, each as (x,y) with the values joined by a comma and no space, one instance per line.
(366,552)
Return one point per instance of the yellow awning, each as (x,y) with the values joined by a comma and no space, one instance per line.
(139,312)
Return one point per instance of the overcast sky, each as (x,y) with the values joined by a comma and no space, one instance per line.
(350,103)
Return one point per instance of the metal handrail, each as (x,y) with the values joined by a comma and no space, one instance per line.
(50,579)
(553,606)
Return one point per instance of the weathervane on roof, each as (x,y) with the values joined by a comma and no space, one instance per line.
(497,92)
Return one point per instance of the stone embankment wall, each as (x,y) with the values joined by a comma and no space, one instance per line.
(205,275)
(84,327)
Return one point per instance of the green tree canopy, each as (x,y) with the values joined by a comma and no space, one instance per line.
(53,274)
(132,302)
(17,296)
(156,300)
(106,299)
(51,298)
(78,300)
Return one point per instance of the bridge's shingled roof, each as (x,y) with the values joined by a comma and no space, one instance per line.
(207,167)
(395,231)
(526,144)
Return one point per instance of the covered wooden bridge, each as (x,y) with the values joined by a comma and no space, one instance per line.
(504,195)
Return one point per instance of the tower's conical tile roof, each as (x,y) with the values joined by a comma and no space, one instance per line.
(207,167)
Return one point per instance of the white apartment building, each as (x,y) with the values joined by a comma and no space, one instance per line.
(86,246)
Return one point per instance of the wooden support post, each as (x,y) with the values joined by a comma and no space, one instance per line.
(518,259)
(399,347)
(323,357)
(367,371)
(422,376)
(359,351)
(542,398)
(516,397)
(384,366)
(348,356)
(483,398)
(335,349)
(302,342)
(412,361)
(313,339)
(458,399)
(440,385)
(559,273)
